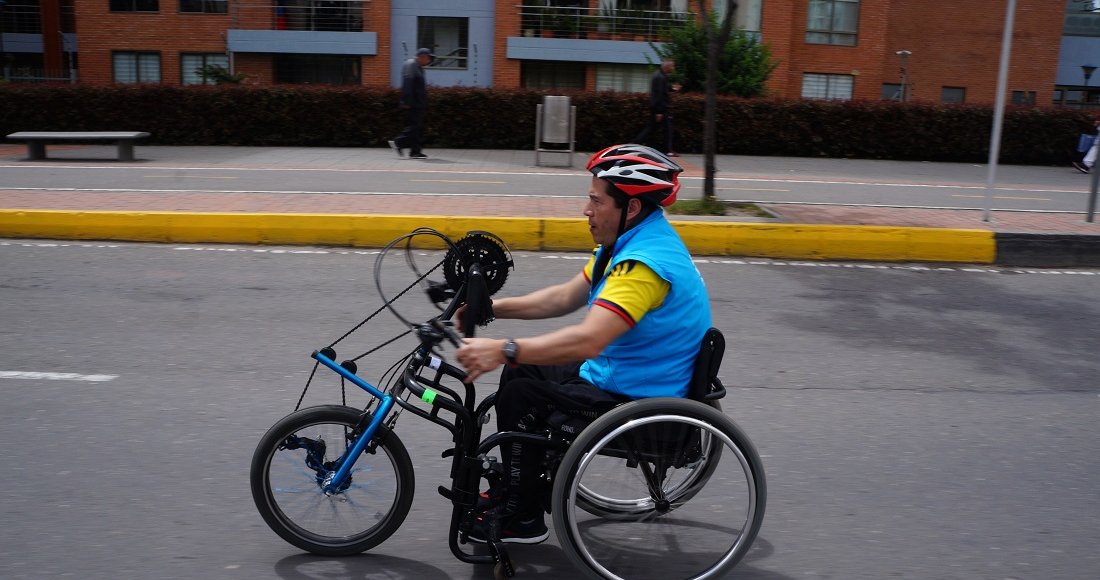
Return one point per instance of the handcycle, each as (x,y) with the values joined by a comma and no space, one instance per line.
(654,488)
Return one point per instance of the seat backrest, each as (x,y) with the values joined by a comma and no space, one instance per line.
(705,385)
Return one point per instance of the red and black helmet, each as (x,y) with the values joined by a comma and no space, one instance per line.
(638,171)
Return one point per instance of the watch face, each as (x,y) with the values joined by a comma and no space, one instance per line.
(511,349)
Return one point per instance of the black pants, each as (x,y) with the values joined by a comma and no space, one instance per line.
(412,136)
(651,127)
(528,396)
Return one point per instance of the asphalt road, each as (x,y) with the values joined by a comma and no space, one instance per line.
(759,179)
(915,421)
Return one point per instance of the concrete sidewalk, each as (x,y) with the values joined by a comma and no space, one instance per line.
(797,231)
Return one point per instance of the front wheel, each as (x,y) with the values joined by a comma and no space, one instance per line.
(288,473)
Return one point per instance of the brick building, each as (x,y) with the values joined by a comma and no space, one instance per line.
(932,50)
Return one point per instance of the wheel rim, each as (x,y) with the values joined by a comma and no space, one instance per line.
(363,504)
(700,530)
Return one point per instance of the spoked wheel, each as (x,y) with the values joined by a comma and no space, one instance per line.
(659,488)
(291,463)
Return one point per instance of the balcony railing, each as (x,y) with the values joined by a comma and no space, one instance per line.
(597,23)
(32,74)
(316,15)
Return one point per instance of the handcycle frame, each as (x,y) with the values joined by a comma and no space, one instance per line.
(467,469)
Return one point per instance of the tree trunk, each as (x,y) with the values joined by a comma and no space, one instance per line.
(716,39)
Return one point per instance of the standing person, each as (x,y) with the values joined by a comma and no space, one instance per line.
(660,102)
(647,312)
(414,101)
(1085,165)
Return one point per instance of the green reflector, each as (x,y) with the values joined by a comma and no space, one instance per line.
(428,396)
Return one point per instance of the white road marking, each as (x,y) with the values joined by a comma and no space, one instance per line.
(736,262)
(53,376)
(1004,197)
(303,192)
(888,184)
(457,181)
(752,189)
(578,197)
(562,173)
(194,176)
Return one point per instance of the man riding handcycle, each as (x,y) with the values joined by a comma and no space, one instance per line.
(594,424)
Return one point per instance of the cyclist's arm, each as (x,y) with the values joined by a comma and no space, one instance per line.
(549,302)
(632,290)
(575,342)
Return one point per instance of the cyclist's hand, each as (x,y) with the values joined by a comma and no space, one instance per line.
(479,356)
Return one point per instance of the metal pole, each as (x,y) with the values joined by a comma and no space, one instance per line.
(3,60)
(999,107)
(1090,214)
(904,56)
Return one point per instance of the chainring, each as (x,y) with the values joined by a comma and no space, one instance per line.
(481,248)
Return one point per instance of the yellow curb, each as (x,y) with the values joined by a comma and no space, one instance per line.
(770,240)
(838,242)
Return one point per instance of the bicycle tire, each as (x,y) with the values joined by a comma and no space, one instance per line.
(697,530)
(289,465)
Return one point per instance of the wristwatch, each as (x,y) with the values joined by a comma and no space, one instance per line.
(510,351)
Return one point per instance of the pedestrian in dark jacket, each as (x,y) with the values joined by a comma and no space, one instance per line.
(414,101)
(660,101)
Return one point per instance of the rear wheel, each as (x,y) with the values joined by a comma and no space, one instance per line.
(659,488)
(289,468)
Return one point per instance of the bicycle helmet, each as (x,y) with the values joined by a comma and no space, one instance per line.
(638,171)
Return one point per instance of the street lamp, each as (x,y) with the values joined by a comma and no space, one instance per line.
(904,56)
(1085,68)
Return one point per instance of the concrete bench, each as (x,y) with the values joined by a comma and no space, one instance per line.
(37,140)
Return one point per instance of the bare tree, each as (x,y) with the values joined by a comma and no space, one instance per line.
(716,39)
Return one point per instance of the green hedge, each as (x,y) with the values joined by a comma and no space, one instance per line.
(505,119)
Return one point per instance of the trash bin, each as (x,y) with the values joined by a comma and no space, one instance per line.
(555,127)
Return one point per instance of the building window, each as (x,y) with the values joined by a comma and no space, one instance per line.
(626,78)
(204,6)
(1023,97)
(832,22)
(136,67)
(135,5)
(826,86)
(448,37)
(190,65)
(891,92)
(953,95)
(317,69)
(541,74)
(20,17)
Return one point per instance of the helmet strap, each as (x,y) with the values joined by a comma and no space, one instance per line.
(622,220)
(605,253)
(602,258)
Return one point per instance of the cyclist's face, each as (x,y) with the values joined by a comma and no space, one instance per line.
(602,213)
